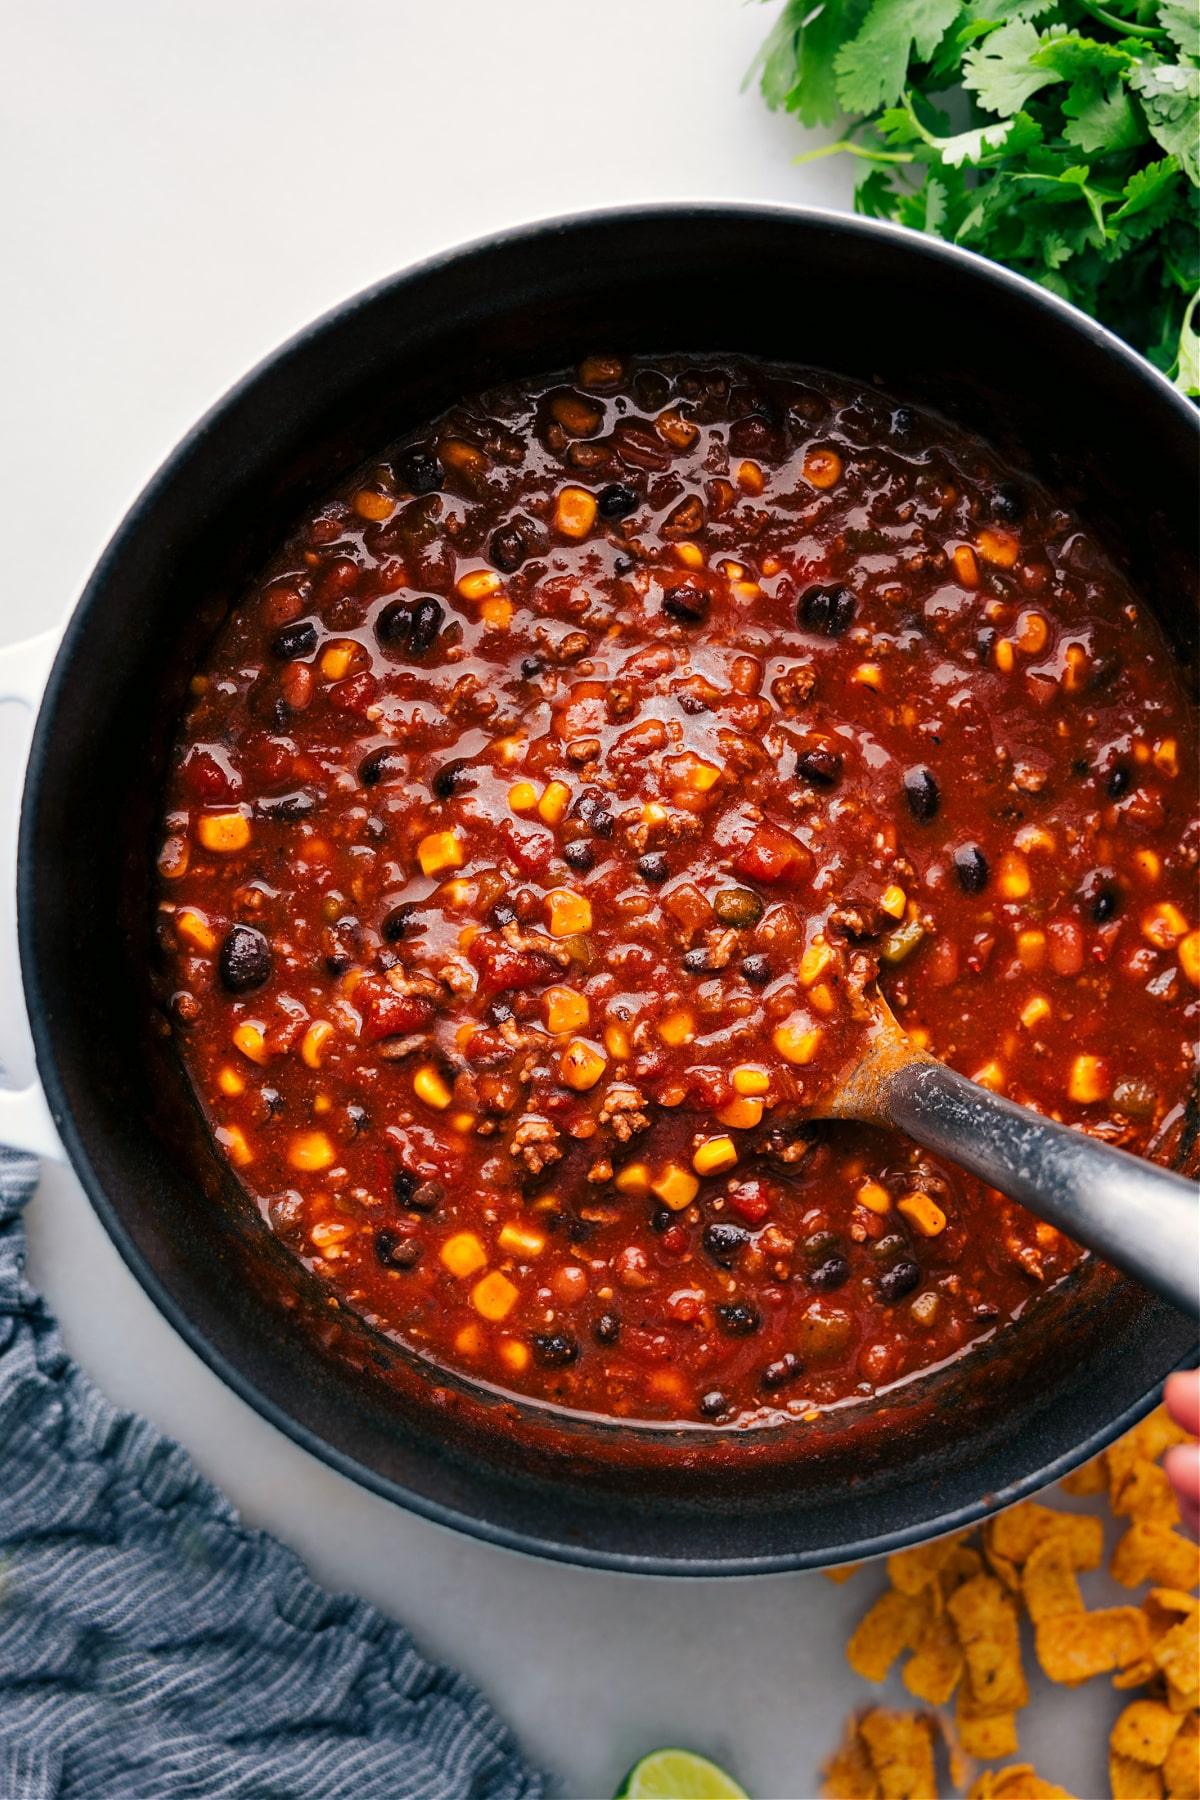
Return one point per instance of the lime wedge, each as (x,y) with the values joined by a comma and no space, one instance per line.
(678,1775)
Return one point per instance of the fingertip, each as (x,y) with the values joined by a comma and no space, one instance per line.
(1181,1394)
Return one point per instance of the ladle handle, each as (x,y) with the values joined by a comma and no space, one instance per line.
(1134,1214)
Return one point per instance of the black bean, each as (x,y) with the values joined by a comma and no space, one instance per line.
(899,1280)
(833,1273)
(827,610)
(756,969)
(1101,895)
(653,867)
(970,865)
(245,960)
(713,1404)
(616,501)
(1120,780)
(592,808)
(687,604)
(579,855)
(508,549)
(419,470)
(778,1374)
(723,1242)
(697,962)
(427,617)
(503,913)
(651,390)
(821,1245)
(395,1251)
(739,1319)
(379,765)
(555,1350)
(287,807)
(295,640)
(270,1101)
(904,423)
(404,1186)
(393,627)
(397,923)
(820,766)
(738,907)
(607,1329)
(449,780)
(1008,503)
(531,666)
(661,1219)
(922,793)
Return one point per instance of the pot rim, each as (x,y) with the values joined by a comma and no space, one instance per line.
(1021,292)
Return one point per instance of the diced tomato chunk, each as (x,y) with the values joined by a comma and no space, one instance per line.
(529,848)
(771,855)
(387,1013)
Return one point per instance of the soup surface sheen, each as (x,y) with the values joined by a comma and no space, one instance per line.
(539,816)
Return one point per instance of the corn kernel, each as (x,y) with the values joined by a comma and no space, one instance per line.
(750,1080)
(714,1156)
(497,612)
(1005,656)
(322,1104)
(553,803)
(1035,1009)
(463,1254)
(750,478)
(690,555)
(522,1240)
(892,901)
(581,1065)
(634,1179)
(440,850)
(999,548)
(1166,757)
(1033,633)
(494,1296)
(1031,949)
(741,1114)
(796,1043)
(922,1213)
(746,590)
(195,930)
(965,566)
(600,371)
(467,458)
(336,661)
(702,776)
(1148,865)
(232,1140)
(230,1083)
(462,1122)
(1012,876)
(1075,662)
(1163,925)
(315,1042)
(568,913)
(523,797)
(311,1151)
(1189,957)
(429,1087)
(1089,1080)
(468,1341)
(822,998)
(514,1355)
(226,833)
(478,584)
(1141,752)
(618,1042)
(251,1042)
(869,675)
(874,1196)
(817,956)
(1034,837)
(677,1028)
(991,1076)
(675,1187)
(566,1010)
(370,505)
(654,813)
(575,512)
(918,1036)
(822,467)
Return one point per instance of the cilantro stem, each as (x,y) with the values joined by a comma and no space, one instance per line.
(1126,27)
(879,156)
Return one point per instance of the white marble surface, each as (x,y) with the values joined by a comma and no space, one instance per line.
(183,185)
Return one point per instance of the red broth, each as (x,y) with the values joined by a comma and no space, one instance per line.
(539,816)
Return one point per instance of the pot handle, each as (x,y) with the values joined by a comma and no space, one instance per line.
(25,1119)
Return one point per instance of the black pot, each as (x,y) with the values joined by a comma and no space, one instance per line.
(931,324)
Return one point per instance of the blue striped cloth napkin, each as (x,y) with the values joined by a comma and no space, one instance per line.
(152,1648)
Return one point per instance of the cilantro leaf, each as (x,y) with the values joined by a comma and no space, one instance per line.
(1188,378)
(1181,21)
(1003,72)
(1103,120)
(1170,97)
(795,65)
(871,68)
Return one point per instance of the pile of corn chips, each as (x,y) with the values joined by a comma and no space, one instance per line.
(955,1607)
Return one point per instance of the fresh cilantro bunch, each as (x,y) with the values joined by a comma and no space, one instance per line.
(1059,137)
